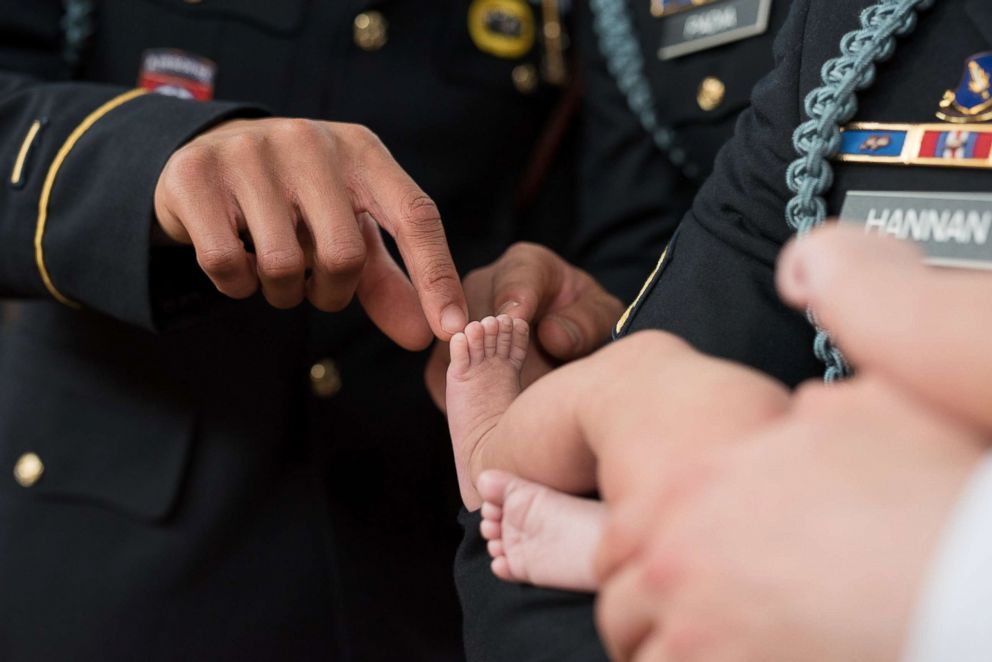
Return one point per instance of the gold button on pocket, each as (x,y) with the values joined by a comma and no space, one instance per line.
(28,470)
(712,92)
(371,31)
(525,78)
(325,379)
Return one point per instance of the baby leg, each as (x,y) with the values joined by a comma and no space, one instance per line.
(538,535)
(494,426)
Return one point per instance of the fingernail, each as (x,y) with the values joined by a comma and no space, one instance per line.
(507,307)
(453,319)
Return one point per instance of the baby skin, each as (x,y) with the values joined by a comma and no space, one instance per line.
(524,456)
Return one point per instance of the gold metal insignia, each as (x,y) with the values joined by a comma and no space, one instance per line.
(972,100)
(504,28)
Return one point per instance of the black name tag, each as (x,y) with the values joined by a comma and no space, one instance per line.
(712,25)
(952,229)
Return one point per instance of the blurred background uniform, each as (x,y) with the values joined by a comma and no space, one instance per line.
(183,476)
(663,86)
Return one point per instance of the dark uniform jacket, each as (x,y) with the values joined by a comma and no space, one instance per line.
(187,486)
(714,286)
(628,186)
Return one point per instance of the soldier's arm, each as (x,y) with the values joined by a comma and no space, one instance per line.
(95,167)
(78,167)
(715,286)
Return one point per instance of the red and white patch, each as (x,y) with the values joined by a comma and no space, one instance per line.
(177,73)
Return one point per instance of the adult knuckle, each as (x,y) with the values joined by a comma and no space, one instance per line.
(280,264)
(343,257)
(525,257)
(245,145)
(421,216)
(361,137)
(437,275)
(300,131)
(220,261)
(189,165)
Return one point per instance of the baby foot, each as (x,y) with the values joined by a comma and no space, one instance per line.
(483,379)
(538,535)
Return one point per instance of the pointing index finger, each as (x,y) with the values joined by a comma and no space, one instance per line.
(382,188)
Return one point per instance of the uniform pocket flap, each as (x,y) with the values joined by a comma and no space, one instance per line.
(77,431)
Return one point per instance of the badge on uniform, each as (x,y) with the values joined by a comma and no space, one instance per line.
(917,144)
(972,100)
(688,26)
(952,229)
(967,145)
(177,73)
(504,28)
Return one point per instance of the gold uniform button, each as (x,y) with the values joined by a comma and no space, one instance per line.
(711,93)
(525,78)
(325,379)
(28,470)
(371,30)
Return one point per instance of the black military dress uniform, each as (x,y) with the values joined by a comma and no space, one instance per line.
(185,477)
(630,187)
(714,284)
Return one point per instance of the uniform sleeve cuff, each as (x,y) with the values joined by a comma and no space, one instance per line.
(96,245)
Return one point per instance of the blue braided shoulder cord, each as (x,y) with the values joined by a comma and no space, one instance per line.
(817,140)
(625,62)
(77,27)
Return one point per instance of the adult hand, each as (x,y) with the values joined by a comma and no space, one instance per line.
(920,327)
(742,554)
(808,541)
(312,194)
(571,315)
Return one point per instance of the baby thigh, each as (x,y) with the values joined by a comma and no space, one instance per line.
(540,436)
(655,386)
